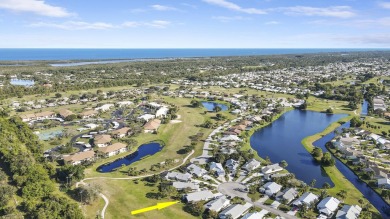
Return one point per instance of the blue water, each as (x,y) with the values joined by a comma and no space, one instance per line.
(83,54)
(282,141)
(47,135)
(370,195)
(143,151)
(20,82)
(210,106)
(364,108)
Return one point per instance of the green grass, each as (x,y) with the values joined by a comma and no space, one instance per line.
(175,137)
(383,124)
(126,196)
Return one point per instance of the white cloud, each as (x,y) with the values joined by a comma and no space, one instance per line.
(34,6)
(335,11)
(235,7)
(75,25)
(163,8)
(227,19)
(272,23)
(154,24)
(367,23)
(385,5)
(80,25)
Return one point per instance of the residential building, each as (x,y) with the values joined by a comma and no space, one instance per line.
(113,149)
(183,177)
(287,195)
(120,133)
(218,168)
(102,140)
(198,196)
(384,183)
(186,185)
(79,158)
(235,211)
(251,165)
(349,212)
(270,188)
(271,169)
(306,198)
(196,170)
(152,126)
(218,204)
(63,113)
(232,165)
(88,114)
(328,206)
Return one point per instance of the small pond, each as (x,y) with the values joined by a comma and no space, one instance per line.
(143,151)
(20,82)
(49,134)
(211,105)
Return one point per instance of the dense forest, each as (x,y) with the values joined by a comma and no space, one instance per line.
(27,188)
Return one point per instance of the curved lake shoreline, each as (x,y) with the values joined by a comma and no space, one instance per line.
(143,151)
(282,138)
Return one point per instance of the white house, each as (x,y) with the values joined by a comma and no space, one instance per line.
(235,211)
(146,117)
(271,169)
(349,212)
(251,165)
(218,204)
(270,188)
(328,206)
(183,177)
(196,170)
(384,183)
(162,112)
(306,198)
(186,185)
(104,107)
(113,149)
(198,196)
(218,168)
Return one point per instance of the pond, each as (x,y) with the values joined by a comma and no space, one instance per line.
(20,82)
(49,134)
(143,151)
(211,105)
(364,108)
(369,193)
(281,140)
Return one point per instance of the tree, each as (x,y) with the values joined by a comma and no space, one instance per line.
(210,214)
(58,95)
(326,185)
(87,194)
(356,122)
(283,164)
(329,111)
(317,152)
(313,182)
(327,160)
(195,103)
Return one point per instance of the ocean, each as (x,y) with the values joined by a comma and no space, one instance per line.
(101,54)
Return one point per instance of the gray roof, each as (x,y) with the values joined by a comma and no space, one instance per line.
(251,165)
(235,210)
(288,194)
(217,204)
(328,205)
(349,212)
(199,196)
(306,198)
(272,187)
(196,170)
(179,176)
(184,185)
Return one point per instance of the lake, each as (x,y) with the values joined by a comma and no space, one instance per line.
(20,82)
(143,151)
(210,106)
(281,140)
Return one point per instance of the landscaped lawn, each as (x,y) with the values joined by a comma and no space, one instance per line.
(126,196)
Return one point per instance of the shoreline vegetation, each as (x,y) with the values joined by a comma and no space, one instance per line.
(339,180)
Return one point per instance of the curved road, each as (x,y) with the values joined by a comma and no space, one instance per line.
(128,178)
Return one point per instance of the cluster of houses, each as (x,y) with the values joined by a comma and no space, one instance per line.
(349,144)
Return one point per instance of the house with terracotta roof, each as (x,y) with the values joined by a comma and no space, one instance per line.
(102,140)
(38,116)
(152,126)
(120,133)
(63,113)
(113,149)
(79,158)
(88,114)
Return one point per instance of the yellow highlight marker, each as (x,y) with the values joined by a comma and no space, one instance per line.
(159,206)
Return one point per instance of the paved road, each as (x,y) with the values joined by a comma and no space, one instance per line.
(128,178)
(232,189)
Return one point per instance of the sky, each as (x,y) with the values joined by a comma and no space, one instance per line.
(194,24)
